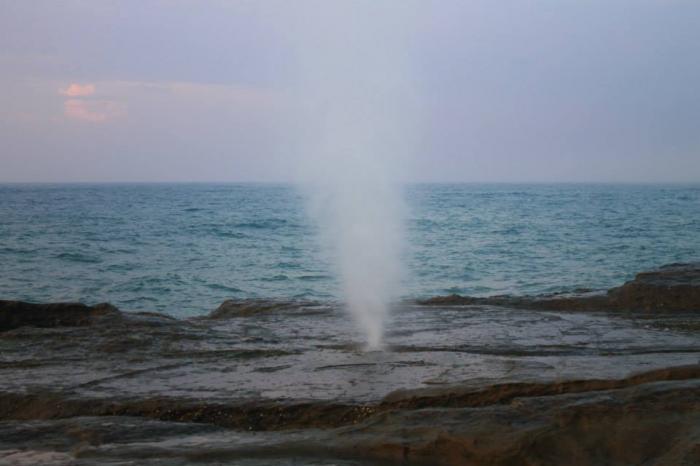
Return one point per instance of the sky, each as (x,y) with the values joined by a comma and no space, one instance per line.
(212,90)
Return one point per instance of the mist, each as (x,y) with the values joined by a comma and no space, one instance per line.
(355,130)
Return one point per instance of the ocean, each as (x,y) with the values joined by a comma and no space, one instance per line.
(182,249)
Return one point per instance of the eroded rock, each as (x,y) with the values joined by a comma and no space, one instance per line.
(232,308)
(674,287)
(15,314)
(650,418)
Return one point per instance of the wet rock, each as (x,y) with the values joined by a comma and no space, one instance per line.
(15,314)
(232,308)
(589,302)
(505,393)
(654,424)
(155,315)
(267,415)
(250,416)
(264,389)
(650,418)
(674,287)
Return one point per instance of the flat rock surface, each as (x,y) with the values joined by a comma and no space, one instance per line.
(259,383)
(467,383)
(315,354)
(654,423)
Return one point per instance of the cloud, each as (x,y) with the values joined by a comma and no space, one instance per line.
(103,101)
(96,111)
(78,90)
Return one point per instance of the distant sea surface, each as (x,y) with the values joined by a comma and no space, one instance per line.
(184,248)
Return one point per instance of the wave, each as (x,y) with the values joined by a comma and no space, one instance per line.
(78,257)
(220,287)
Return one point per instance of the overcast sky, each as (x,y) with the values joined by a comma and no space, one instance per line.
(141,90)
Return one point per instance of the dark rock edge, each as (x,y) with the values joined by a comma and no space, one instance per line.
(672,288)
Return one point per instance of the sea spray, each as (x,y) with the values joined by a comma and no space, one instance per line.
(354,124)
(360,222)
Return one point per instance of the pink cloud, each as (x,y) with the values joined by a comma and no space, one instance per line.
(78,90)
(96,111)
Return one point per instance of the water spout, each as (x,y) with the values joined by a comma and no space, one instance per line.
(354,137)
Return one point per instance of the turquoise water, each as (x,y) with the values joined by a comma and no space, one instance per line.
(184,248)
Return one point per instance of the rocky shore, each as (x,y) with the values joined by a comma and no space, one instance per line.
(608,378)
(651,418)
(673,287)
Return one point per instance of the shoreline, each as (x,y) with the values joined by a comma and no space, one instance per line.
(500,381)
(670,288)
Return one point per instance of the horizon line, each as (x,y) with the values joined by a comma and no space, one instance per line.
(410,182)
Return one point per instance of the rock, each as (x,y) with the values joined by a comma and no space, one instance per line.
(14,314)
(653,424)
(249,307)
(650,418)
(674,287)
(589,302)
(304,396)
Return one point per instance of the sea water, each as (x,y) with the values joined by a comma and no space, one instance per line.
(184,248)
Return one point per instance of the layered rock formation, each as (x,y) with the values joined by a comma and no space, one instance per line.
(494,382)
(674,287)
